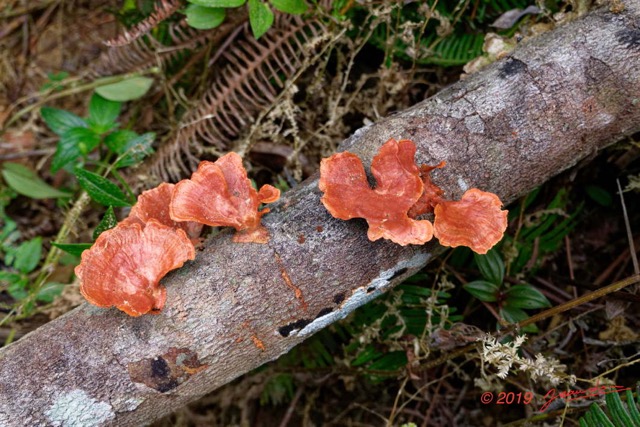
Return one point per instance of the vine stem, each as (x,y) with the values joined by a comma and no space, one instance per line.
(53,256)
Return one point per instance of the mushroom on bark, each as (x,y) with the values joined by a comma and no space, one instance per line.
(220,194)
(124,266)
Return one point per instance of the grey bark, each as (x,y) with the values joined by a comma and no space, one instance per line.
(557,99)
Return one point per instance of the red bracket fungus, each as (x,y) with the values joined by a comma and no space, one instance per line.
(347,193)
(220,194)
(404,192)
(154,204)
(124,266)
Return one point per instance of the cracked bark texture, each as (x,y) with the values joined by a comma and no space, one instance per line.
(555,100)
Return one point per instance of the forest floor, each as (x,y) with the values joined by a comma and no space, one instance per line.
(414,355)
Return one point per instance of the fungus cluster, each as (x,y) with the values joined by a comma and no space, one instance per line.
(402,193)
(125,265)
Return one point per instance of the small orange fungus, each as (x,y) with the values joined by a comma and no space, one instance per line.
(220,194)
(476,221)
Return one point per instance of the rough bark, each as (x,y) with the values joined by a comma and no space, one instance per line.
(557,99)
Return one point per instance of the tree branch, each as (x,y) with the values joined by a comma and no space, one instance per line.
(557,99)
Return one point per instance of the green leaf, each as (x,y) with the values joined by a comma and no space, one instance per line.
(491,266)
(483,290)
(60,121)
(260,17)
(28,255)
(513,314)
(599,195)
(218,3)
(526,296)
(18,290)
(102,113)
(67,151)
(85,139)
(294,7)
(6,276)
(135,150)
(108,221)
(204,18)
(366,355)
(117,141)
(74,249)
(24,181)
(101,189)
(49,291)
(126,90)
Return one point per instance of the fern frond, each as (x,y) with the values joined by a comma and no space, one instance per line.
(162,10)
(254,73)
(148,52)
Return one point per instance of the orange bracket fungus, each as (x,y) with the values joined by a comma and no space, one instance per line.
(124,266)
(347,193)
(404,192)
(220,194)
(475,221)
(154,204)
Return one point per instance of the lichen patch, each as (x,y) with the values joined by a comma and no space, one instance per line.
(77,409)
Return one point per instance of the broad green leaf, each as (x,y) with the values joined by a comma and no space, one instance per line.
(483,290)
(101,189)
(24,181)
(18,290)
(102,113)
(74,249)
(513,314)
(67,151)
(6,276)
(108,221)
(260,17)
(28,255)
(49,291)
(60,121)
(204,18)
(526,296)
(117,141)
(218,3)
(491,266)
(85,139)
(136,149)
(126,90)
(294,7)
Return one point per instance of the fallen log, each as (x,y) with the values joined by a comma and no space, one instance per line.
(555,100)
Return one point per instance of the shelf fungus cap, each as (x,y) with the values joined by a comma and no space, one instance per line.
(124,266)
(220,194)
(347,193)
(476,221)
(154,204)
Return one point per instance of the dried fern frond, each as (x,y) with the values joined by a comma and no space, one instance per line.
(162,10)
(254,74)
(146,52)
